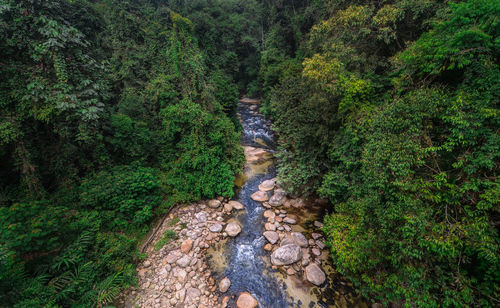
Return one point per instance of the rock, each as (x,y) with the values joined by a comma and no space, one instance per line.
(268,247)
(186,245)
(181,294)
(184,261)
(224,285)
(300,239)
(173,256)
(260,196)
(201,216)
(192,293)
(278,198)
(246,300)
(287,240)
(269,214)
(290,271)
(225,301)
(271,236)
(286,255)
(267,185)
(233,229)
(214,203)
(180,274)
(236,205)
(314,274)
(287,228)
(147,264)
(316,252)
(320,244)
(318,224)
(270,227)
(316,236)
(228,207)
(289,220)
(216,228)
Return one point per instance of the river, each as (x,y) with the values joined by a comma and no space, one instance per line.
(244,260)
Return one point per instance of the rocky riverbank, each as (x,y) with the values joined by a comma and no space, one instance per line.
(290,250)
(177,275)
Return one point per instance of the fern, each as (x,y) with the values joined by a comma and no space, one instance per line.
(108,289)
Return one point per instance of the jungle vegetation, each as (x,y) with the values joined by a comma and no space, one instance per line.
(113,111)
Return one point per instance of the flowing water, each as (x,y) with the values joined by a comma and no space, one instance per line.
(243,259)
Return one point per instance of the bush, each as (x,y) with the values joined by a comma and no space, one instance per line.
(122,195)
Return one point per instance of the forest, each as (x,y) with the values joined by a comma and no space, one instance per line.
(113,112)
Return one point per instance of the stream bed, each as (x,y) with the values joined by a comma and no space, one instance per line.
(244,260)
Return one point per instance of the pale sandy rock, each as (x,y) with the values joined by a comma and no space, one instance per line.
(315,274)
(271,236)
(233,229)
(224,284)
(287,254)
(186,245)
(267,185)
(246,300)
(236,205)
(260,196)
(214,203)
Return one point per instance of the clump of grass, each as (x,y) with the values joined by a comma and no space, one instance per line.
(167,237)
(183,226)
(174,221)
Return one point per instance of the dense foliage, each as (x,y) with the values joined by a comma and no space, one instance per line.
(112,111)
(389,110)
(109,114)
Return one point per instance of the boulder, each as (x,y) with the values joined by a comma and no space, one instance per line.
(216,228)
(278,198)
(269,214)
(236,205)
(228,207)
(299,239)
(224,285)
(233,229)
(271,236)
(289,220)
(287,240)
(184,261)
(270,227)
(186,245)
(214,203)
(246,300)
(286,255)
(314,274)
(260,196)
(267,185)
(201,216)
